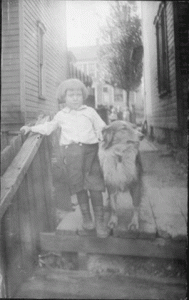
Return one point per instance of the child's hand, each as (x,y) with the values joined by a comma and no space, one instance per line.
(25,129)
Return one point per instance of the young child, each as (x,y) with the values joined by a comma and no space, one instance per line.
(81,128)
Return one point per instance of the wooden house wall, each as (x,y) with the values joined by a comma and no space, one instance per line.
(20,73)
(10,65)
(52,15)
(161,112)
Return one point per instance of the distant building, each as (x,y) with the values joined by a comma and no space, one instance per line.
(76,72)
(33,61)
(165,39)
(86,61)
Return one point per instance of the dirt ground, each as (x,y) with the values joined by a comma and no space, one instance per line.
(107,265)
(129,277)
(133,266)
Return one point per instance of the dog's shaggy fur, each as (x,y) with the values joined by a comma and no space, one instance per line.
(121,165)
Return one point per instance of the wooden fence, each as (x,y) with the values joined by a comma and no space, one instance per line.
(26,207)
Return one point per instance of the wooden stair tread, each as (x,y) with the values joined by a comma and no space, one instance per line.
(169,206)
(112,245)
(72,223)
(162,213)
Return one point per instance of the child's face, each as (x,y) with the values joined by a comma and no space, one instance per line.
(74,98)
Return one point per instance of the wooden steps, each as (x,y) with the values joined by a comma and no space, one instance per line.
(156,238)
(163,213)
(70,237)
(62,284)
(161,248)
(72,223)
(163,220)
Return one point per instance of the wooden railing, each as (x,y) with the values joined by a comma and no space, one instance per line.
(26,207)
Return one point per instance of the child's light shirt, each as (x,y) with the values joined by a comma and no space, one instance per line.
(77,126)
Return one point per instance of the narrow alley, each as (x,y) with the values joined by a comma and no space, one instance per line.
(94,101)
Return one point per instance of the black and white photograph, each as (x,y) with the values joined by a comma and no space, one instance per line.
(94,149)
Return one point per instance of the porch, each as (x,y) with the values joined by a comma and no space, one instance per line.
(29,228)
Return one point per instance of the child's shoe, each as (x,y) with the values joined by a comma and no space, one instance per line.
(102,231)
(87,218)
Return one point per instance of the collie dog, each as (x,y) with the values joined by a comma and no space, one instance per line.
(121,166)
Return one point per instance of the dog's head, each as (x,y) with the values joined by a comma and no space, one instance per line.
(120,132)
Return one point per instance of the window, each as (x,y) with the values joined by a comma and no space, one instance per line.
(91,70)
(41,32)
(81,67)
(118,95)
(162,50)
(85,68)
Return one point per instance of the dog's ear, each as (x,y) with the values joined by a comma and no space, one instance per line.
(108,135)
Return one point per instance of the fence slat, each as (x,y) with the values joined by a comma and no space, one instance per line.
(46,167)
(39,194)
(12,253)
(25,205)
(32,208)
(24,226)
(8,154)
(15,173)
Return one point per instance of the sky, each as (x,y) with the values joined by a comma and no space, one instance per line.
(83,20)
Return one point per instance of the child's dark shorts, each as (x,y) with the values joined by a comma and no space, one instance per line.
(82,167)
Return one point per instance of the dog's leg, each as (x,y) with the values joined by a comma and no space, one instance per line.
(113,217)
(136,194)
(134,224)
(107,206)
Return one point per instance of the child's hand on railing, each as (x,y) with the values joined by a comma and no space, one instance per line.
(25,129)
